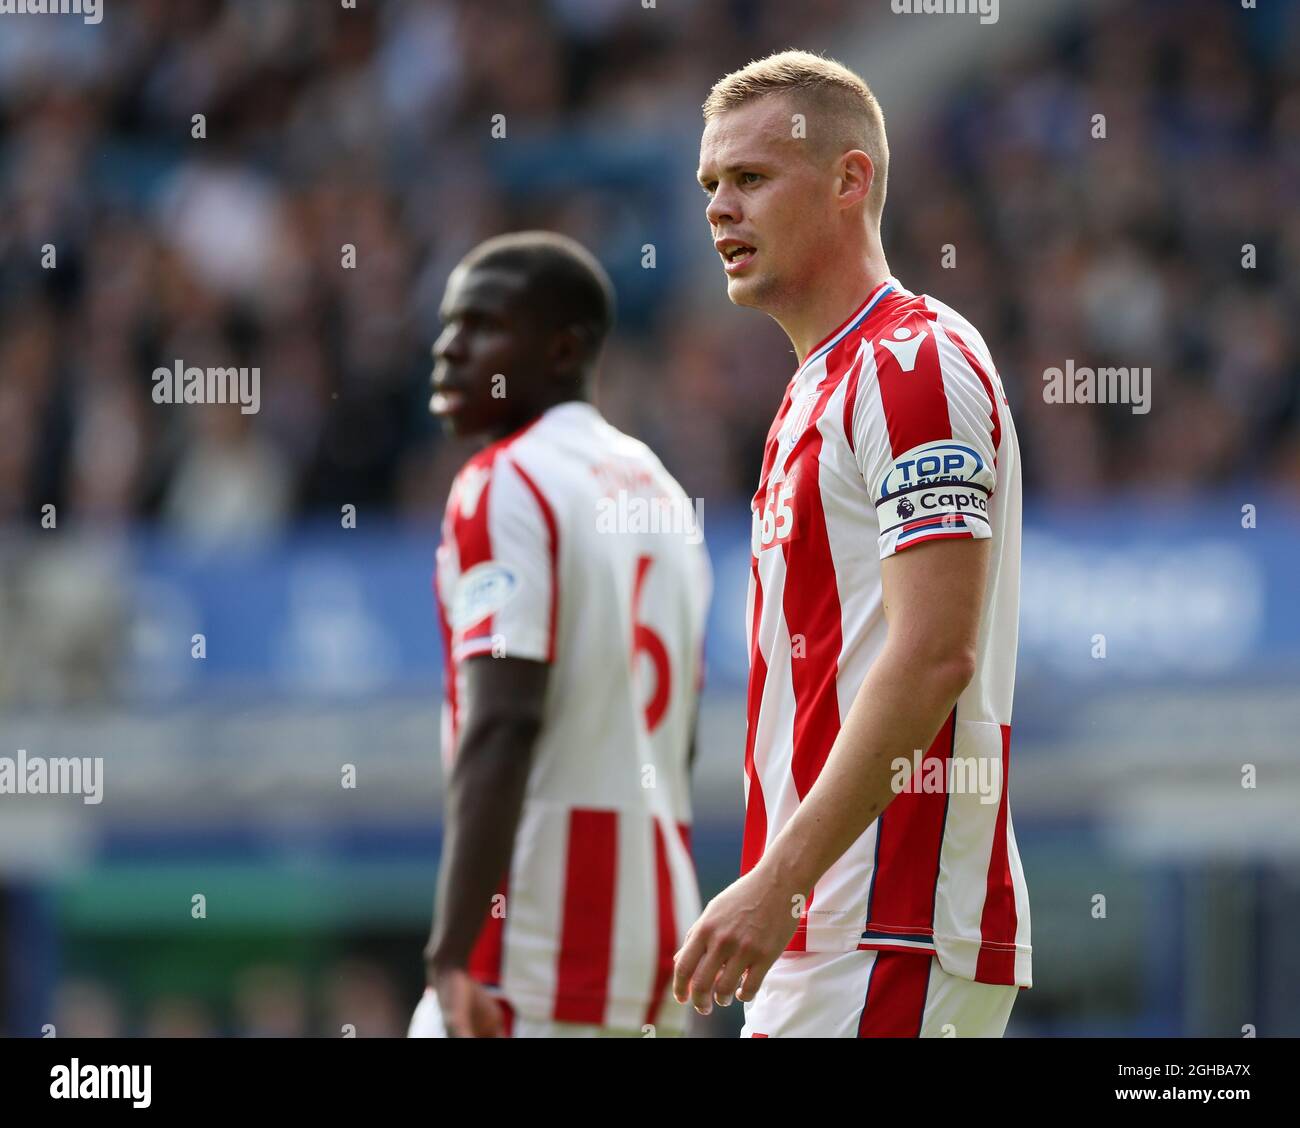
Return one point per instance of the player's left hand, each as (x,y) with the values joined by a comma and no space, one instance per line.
(738,937)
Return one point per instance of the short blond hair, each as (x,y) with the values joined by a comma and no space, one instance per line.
(834,93)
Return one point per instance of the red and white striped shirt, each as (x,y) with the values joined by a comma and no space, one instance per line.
(569,543)
(894,431)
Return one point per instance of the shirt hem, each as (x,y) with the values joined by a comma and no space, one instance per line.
(543,1008)
(958,955)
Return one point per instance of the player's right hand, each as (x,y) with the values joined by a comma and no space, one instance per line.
(467,1009)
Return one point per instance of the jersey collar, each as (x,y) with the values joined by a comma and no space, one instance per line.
(852,322)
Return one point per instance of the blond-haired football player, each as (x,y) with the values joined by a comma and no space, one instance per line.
(881,891)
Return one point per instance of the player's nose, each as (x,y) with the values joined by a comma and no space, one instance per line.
(722,208)
(448,345)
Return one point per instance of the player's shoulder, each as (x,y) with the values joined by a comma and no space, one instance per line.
(490,474)
(955,325)
(901,309)
(577,436)
(920,333)
(535,450)
(931,376)
(633,451)
(483,461)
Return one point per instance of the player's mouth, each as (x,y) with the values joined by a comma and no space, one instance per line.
(446,400)
(736,256)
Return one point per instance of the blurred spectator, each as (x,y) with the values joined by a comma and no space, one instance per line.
(270,1002)
(86,1009)
(361,995)
(178,1016)
(369,129)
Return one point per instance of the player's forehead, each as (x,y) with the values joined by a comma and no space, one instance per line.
(758,131)
(482,289)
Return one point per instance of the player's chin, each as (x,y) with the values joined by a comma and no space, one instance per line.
(459,423)
(746,289)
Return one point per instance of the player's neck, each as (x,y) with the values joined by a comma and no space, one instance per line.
(506,428)
(834,303)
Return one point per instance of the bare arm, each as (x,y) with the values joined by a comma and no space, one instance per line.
(502,714)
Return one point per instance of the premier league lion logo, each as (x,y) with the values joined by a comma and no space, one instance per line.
(905,508)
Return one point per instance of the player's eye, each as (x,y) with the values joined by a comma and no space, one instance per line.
(709,188)
(750,177)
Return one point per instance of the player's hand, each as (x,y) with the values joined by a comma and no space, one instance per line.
(468,1011)
(738,937)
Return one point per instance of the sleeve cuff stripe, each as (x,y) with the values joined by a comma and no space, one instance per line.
(955,534)
(938,517)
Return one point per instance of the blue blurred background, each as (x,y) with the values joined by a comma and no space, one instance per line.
(1160,633)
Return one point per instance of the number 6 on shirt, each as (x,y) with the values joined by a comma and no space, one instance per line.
(645,640)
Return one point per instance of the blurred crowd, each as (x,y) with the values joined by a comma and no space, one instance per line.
(222,241)
(354,998)
(184,181)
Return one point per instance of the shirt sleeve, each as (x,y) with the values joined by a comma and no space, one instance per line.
(502,601)
(925,434)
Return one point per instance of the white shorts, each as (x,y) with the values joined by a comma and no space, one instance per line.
(427,1022)
(873,994)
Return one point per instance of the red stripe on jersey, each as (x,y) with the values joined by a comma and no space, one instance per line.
(684,831)
(667,925)
(755,837)
(553,533)
(485,957)
(472,533)
(810,599)
(507,1018)
(586,936)
(851,398)
(771,446)
(811,604)
(473,538)
(978,369)
(448,671)
(914,401)
(896,993)
(755,810)
(998,922)
(909,837)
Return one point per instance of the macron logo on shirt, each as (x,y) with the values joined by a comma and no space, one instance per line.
(904,347)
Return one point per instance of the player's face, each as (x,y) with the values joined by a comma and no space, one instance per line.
(768,203)
(485,357)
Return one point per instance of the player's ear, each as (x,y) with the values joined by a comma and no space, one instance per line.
(568,351)
(857,174)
